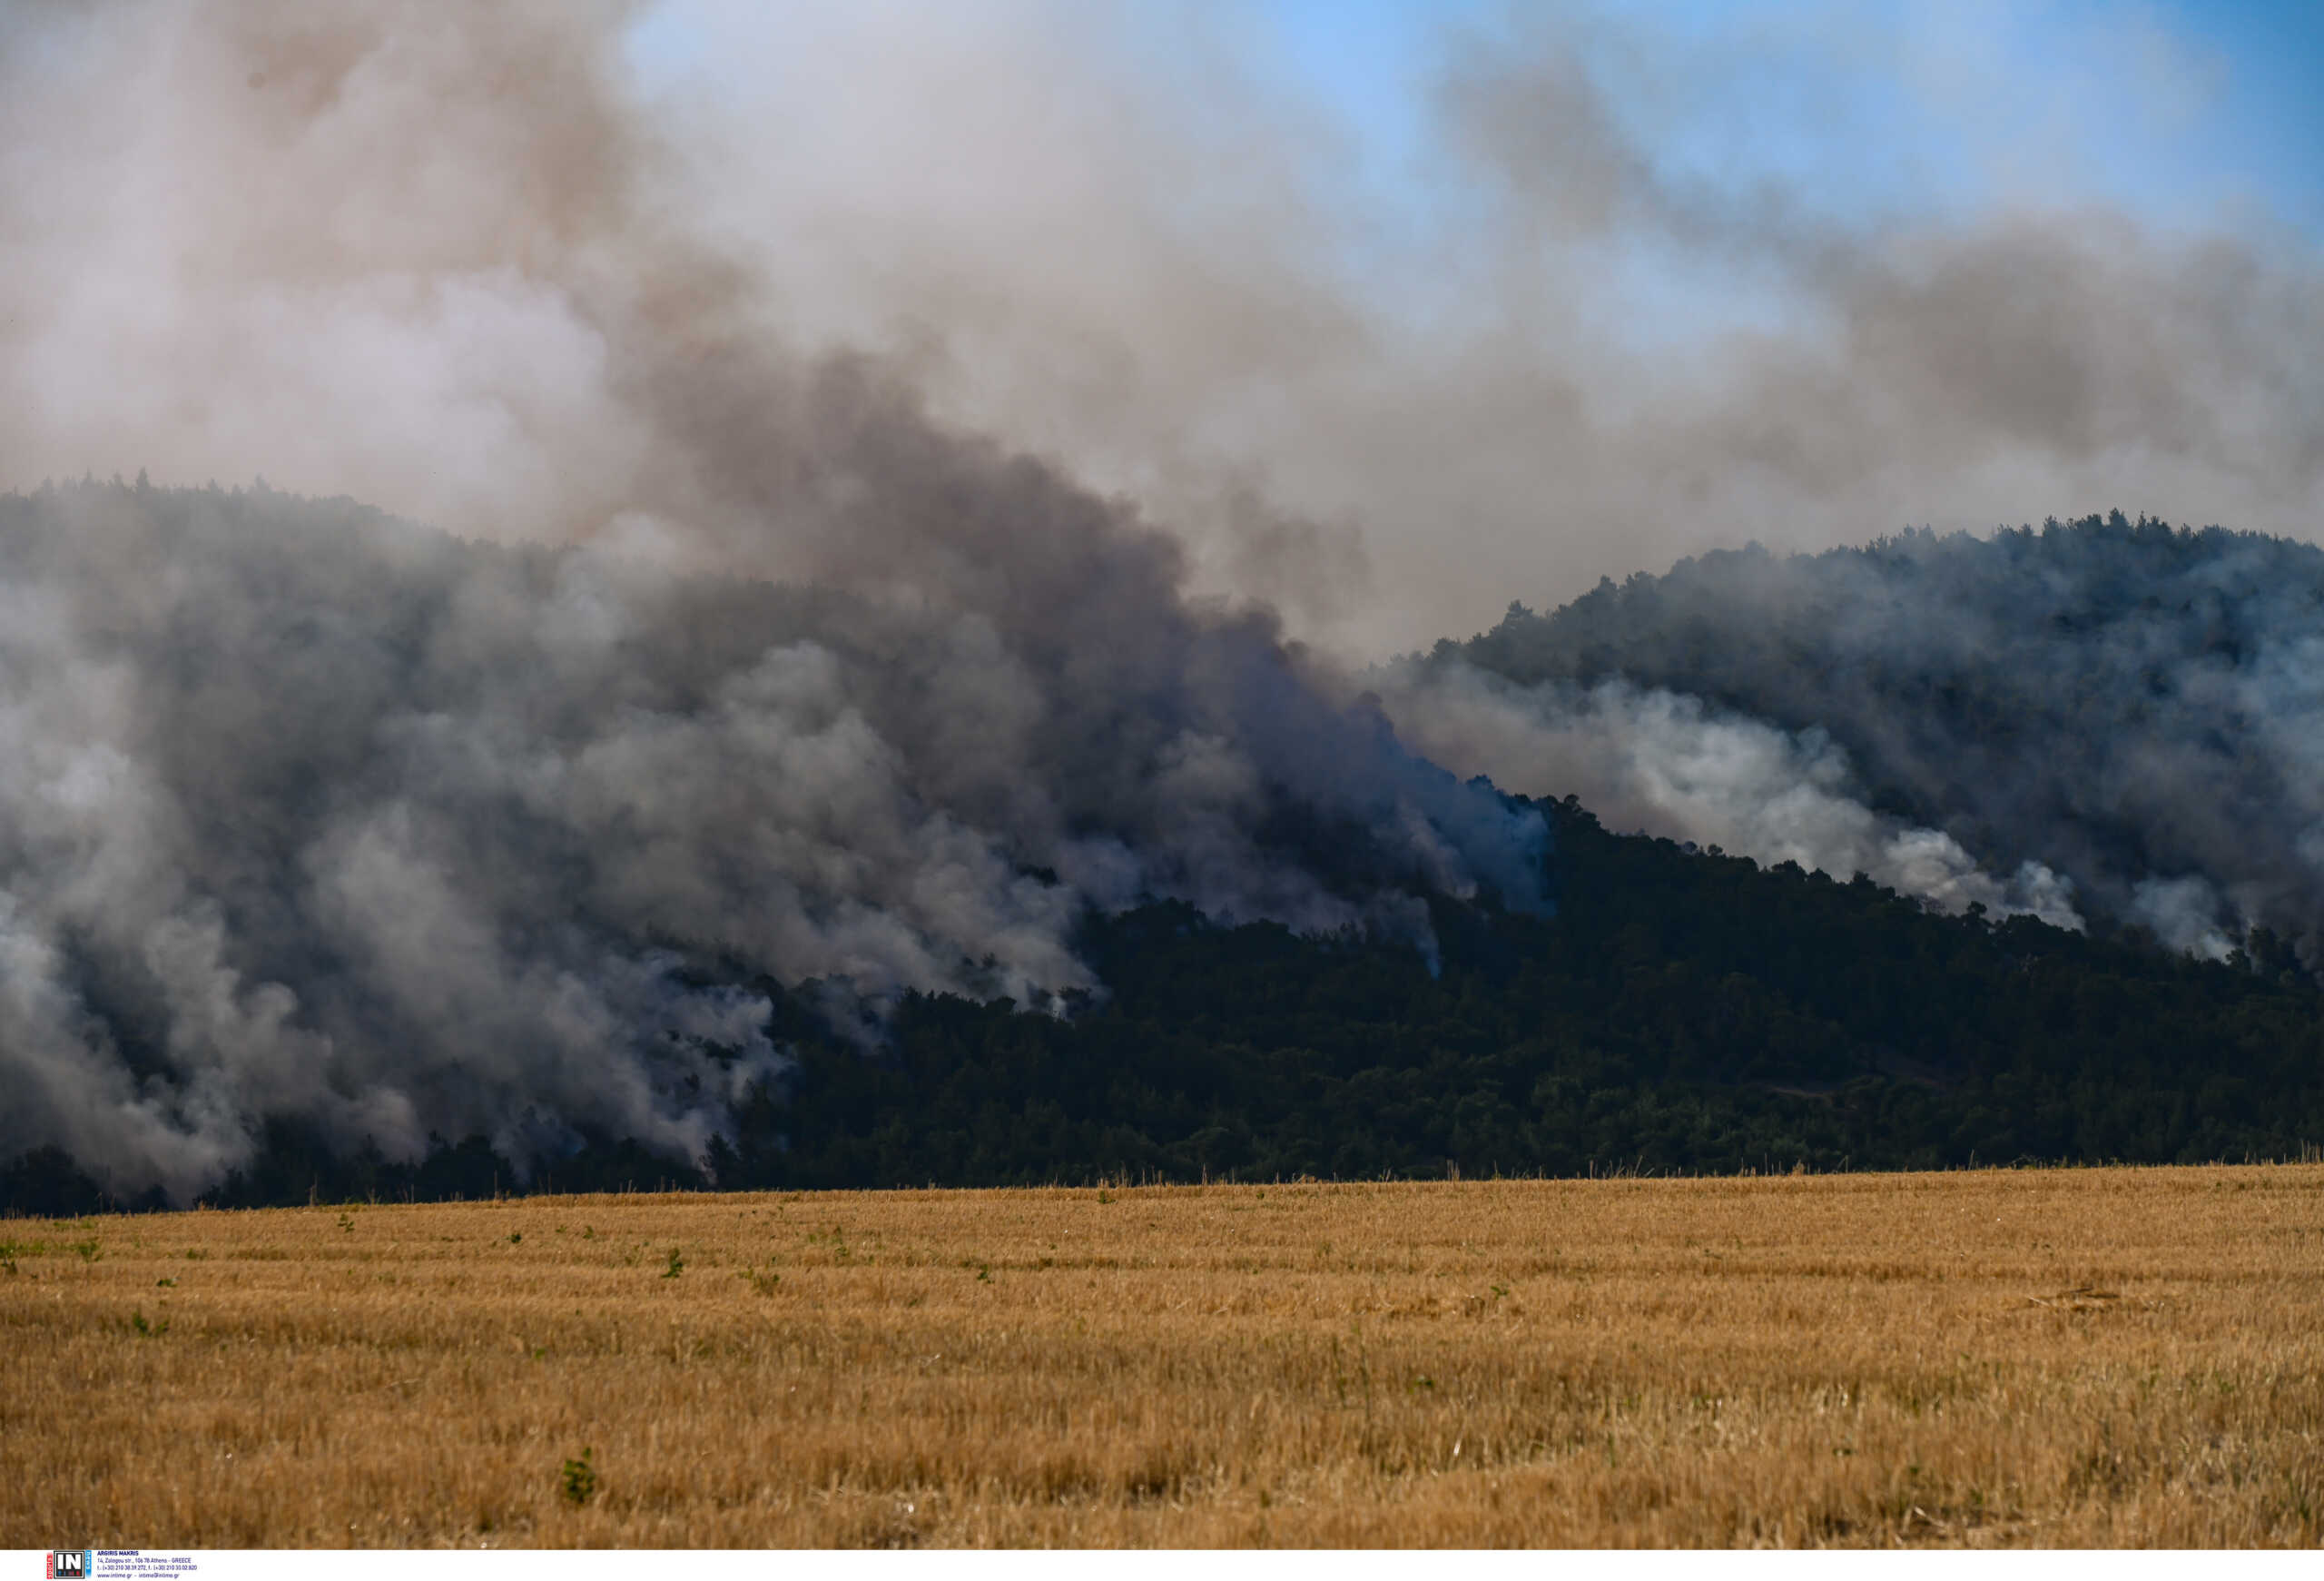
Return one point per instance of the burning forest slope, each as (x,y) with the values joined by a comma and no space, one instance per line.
(339,856)
(311,817)
(1678,1012)
(2135,709)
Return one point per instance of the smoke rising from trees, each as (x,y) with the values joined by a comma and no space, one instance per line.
(1664,763)
(2137,708)
(306,812)
(317,816)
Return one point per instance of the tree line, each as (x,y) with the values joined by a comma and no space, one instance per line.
(1679,1011)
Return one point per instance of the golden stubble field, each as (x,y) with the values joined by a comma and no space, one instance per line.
(2075,1356)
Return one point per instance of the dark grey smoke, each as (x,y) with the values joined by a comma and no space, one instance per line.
(310,814)
(307,814)
(2139,710)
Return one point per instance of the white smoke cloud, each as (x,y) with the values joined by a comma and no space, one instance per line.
(1669,765)
(2184,913)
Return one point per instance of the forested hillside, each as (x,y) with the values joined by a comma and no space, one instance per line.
(347,858)
(1680,1012)
(2137,707)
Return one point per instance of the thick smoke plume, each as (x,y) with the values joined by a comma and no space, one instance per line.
(1587,333)
(310,814)
(424,254)
(1664,763)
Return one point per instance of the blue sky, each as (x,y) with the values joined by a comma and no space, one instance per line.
(2170,110)
(2188,117)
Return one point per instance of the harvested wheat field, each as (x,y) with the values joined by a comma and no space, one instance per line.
(2091,1357)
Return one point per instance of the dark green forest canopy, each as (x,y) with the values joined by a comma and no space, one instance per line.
(1680,1012)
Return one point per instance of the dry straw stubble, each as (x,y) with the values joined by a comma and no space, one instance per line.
(2080,1357)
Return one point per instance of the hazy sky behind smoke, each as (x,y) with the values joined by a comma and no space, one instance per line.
(1393,311)
(1510,298)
